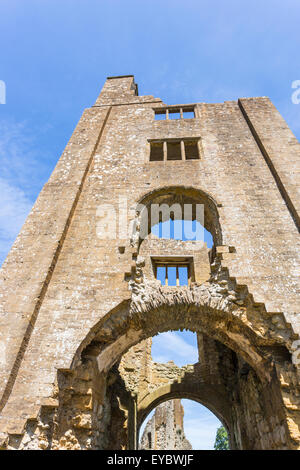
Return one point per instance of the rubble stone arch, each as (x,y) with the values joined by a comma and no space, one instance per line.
(80,415)
(200,308)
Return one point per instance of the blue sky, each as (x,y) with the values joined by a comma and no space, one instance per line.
(179,347)
(56,54)
(200,425)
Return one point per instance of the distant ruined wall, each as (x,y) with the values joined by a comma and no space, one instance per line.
(165,430)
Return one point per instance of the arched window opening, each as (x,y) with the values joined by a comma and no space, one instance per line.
(177,230)
(179,204)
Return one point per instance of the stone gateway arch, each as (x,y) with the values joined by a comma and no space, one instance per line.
(80,297)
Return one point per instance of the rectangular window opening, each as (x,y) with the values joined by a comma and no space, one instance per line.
(156,152)
(180,112)
(173,273)
(173,150)
(191,150)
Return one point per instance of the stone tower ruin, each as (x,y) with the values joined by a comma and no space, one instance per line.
(79,289)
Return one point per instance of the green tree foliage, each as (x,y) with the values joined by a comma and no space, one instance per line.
(221,442)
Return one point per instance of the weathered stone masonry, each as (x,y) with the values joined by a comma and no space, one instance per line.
(72,303)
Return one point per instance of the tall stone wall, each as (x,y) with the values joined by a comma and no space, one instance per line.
(68,294)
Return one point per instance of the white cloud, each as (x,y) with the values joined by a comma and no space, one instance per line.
(23,163)
(200,425)
(172,346)
(201,435)
(22,173)
(14,208)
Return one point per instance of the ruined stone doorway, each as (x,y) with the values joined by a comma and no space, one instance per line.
(221,380)
(172,423)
